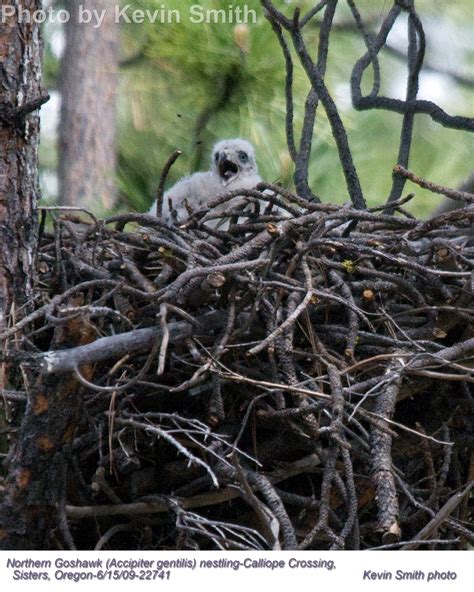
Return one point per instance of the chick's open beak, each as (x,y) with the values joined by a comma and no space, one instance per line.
(227,168)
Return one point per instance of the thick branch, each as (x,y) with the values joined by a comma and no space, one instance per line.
(116,346)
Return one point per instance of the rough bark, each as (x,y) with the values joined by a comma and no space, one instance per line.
(20,97)
(37,476)
(87,127)
(20,89)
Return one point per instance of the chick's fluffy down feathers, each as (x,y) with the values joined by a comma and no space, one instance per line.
(233,166)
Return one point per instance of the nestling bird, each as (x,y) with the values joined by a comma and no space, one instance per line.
(233,166)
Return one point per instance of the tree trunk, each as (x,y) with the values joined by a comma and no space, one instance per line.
(87,129)
(20,96)
(36,483)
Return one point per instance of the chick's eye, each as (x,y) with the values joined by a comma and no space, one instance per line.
(216,157)
(243,156)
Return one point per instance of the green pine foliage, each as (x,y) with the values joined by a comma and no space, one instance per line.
(185,85)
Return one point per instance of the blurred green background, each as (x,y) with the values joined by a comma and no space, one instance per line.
(185,85)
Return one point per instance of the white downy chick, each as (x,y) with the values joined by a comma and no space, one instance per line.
(233,166)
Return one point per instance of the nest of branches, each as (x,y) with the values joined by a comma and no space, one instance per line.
(300,380)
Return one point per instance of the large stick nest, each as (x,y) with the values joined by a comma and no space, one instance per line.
(285,383)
